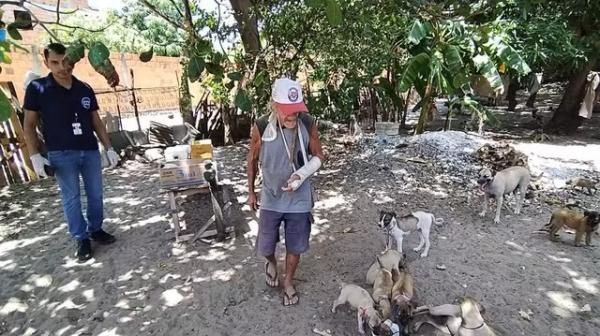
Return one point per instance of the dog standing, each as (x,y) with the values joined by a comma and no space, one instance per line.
(360,300)
(586,222)
(504,182)
(399,227)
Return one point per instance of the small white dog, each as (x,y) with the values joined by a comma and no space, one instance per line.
(398,227)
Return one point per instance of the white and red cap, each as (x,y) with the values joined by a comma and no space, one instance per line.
(287,95)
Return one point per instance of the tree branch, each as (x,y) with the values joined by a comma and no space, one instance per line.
(99,30)
(48,10)
(153,9)
(57,11)
(41,24)
(176,7)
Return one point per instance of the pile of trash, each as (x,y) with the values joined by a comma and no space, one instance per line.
(498,156)
(453,149)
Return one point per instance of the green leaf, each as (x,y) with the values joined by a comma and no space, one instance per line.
(202,47)
(512,59)
(18,46)
(486,67)
(334,12)
(235,76)
(98,54)
(215,69)
(5,57)
(230,85)
(195,67)
(13,32)
(314,3)
(75,53)
(417,68)
(417,32)
(243,101)
(452,59)
(5,107)
(146,56)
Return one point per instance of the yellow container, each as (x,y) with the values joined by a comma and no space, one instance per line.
(202,149)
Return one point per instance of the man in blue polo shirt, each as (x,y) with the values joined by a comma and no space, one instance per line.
(68,111)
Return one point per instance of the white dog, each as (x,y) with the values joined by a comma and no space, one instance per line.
(398,227)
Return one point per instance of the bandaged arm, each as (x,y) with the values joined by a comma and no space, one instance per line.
(305,172)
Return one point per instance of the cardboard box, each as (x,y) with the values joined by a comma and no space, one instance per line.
(182,173)
(202,149)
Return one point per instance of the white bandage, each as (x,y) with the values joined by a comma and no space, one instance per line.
(306,171)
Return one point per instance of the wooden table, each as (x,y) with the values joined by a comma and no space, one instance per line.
(220,204)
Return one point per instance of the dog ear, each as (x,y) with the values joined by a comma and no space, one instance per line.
(393,214)
(586,213)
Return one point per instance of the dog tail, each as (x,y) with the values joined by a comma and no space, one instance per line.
(437,221)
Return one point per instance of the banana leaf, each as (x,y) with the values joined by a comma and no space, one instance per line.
(485,66)
(418,68)
(417,32)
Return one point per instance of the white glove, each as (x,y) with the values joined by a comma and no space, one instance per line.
(113,157)
(38,162)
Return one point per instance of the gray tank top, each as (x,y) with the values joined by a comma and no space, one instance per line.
(276,170)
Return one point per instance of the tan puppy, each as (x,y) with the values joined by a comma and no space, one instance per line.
(360,300)
(402,294)
(586,222)
(389,259)
(461,320)
(382,289)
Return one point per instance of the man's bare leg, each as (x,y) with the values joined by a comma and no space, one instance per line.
(291,263)
(271,271)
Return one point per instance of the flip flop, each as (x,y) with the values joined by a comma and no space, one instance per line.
(274,279)
(290,298)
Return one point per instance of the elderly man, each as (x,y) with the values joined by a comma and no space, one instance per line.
(68,110)
(286,143)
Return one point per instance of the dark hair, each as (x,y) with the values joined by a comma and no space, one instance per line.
(56,47)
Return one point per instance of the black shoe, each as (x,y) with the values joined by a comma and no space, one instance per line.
(84,250)
(102,237)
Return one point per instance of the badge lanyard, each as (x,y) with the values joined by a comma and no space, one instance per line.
(77,125)
(287,149)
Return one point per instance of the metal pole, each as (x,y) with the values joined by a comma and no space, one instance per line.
(135,108)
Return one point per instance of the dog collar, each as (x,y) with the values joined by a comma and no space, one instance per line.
(480,326)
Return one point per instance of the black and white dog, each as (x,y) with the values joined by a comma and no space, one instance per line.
(398,227)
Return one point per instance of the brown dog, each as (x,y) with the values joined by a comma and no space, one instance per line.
(382,289)
(402,294)
(586,222)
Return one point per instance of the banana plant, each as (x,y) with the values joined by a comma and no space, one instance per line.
(447,53)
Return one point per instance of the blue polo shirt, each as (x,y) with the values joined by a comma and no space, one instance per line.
(59,108)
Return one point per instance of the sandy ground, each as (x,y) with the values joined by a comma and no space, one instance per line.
(145,284)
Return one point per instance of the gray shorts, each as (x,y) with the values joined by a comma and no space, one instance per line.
(297,231)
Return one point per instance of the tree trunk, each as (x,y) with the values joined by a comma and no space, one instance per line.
(405,110)
(566,119)
(511,95)
(427,104)
(227,125)
(248,26)
(185,99)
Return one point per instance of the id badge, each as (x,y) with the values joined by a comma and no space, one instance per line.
(77,128)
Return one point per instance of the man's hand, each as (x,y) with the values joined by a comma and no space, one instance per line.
(252,201)
(113,157)
(291,183)
(38,162)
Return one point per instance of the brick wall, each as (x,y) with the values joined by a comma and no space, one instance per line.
(157,79)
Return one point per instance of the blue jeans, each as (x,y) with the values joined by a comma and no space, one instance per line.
(68,166)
